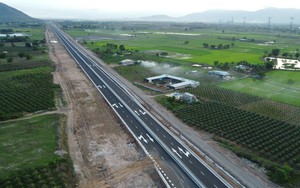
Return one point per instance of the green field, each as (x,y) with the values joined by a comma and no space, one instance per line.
(274,86)
(27,156)
(151,40)
(27,143)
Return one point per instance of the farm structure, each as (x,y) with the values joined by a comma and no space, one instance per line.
(172,82)
(187,97)
(220,74)
(127,62)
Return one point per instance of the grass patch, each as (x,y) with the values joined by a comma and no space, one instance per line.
(30,143)
(134,72)
(27,153)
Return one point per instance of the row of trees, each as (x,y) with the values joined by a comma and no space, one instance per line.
(111,48)
(14,39)
(26,93)
(111,52)
(276,52)
(55,174)
(247,67)
(270,139)
(20,54)
(26,39)
(6,31)
(219,46)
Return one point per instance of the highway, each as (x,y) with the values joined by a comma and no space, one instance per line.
(178,165)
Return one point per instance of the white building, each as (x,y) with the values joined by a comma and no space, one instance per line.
(127,62)
(174,82)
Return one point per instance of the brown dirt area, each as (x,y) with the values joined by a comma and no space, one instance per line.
(98,142)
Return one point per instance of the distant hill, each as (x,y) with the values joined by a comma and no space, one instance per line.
(279,16)
(9,14)
(161,18)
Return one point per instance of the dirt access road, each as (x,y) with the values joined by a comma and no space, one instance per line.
(100,146)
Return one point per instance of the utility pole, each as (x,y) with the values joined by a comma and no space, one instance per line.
(244,20)
(291,26)
(269,22)
(232,21)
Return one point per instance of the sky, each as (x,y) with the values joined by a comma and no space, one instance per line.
(103,9)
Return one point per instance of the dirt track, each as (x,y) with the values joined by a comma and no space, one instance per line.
(98,142)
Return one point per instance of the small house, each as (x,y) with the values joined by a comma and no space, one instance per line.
(189,98)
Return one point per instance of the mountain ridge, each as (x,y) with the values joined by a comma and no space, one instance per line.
(276,15)
(9,14)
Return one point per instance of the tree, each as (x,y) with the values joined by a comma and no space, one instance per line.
(2,56)
(21,55)
(110,47)
(275,52)
(28,45)
(269,65)
(220,46)
(205,45)
(10,59)
(297,54)
(213,46)
(35,43)
(226,46)
(216,63)
(186,42)
(122,47)
(285,54)
(225,66)
(282,174)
